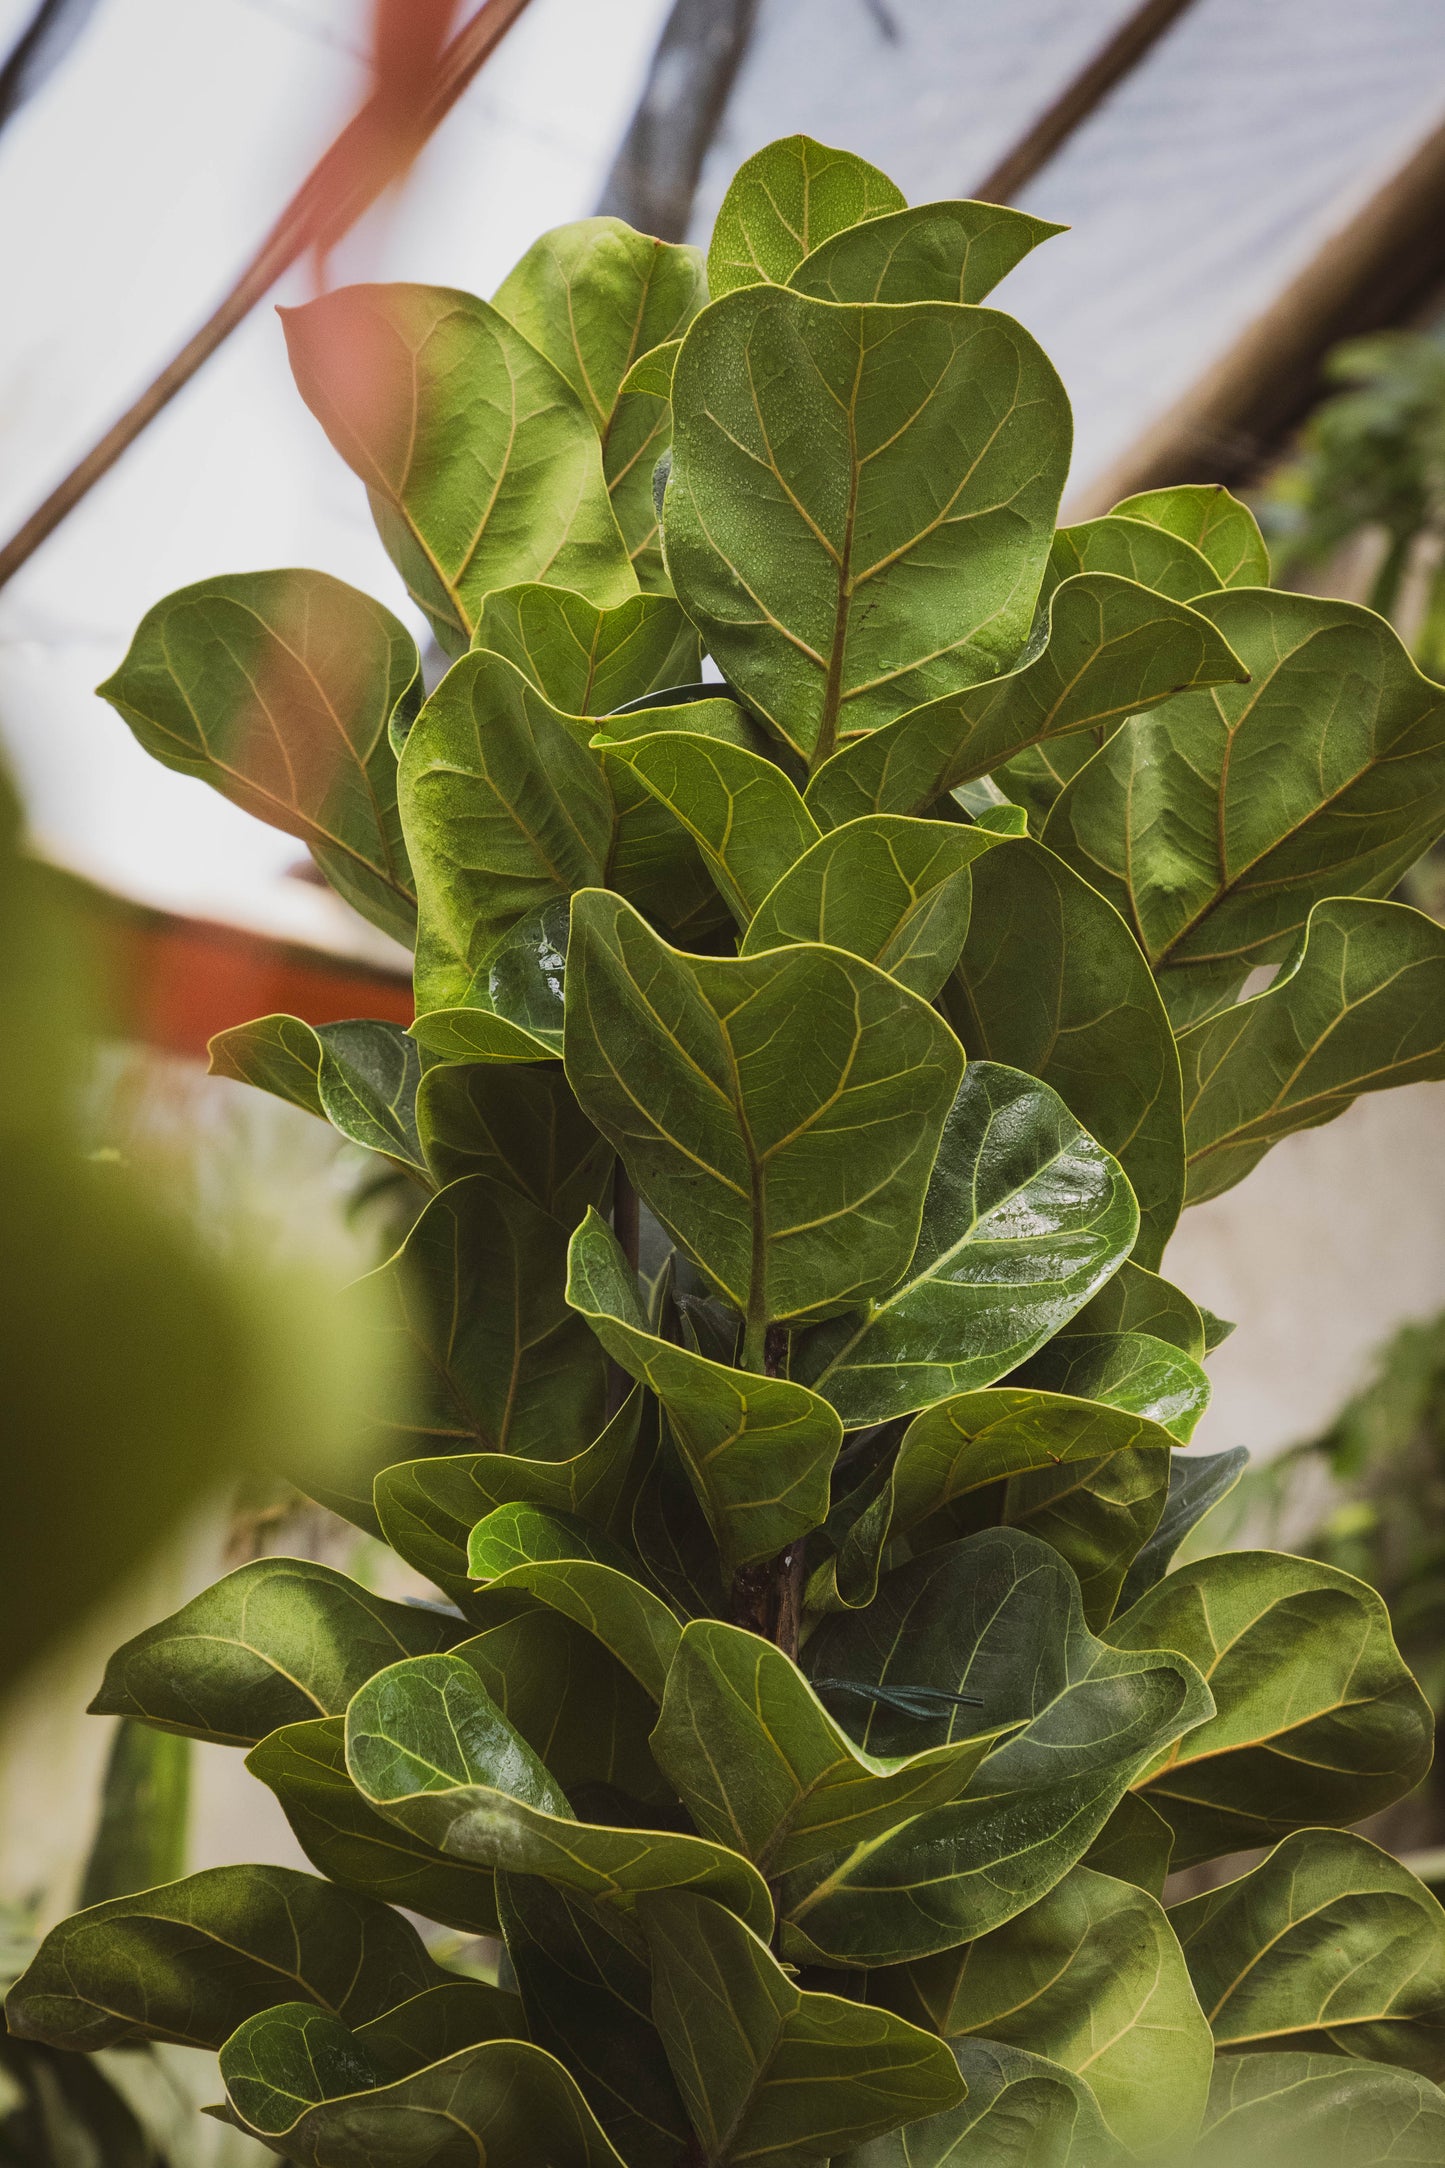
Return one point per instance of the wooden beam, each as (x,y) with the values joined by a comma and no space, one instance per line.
(655,174)
(1368,274)
(1115,59)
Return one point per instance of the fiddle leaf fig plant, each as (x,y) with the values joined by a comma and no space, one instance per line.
(833,889)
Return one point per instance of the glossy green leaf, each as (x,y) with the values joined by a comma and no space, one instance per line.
(896,892)
(1026,1216)
(758,1450)
(482,466)
(595,297)
(1136,1300)
(430,1750)
(1129,1370)
(1135,1845)
(737,806)
(584,660)
(517,1125)
(1197,1483)
(428,1508)
(1092,1978)
(360,1076)
(505,810)
(785,201)
(275,1642)
(1359,1008)
(767,2071)
(1134,549)
(586,1987)
(576,1705)
(1327,1940)
(1204,513)
(1320,2111)
(950,251)
(638,441)
(474,1302)
(861,500)
(1021,2112)
(302,2078)
(1215,824)
(345,1838)
(277,688)
(972,1443)
(475,1035)
(584,1575)
(1085,1017)
(439,2021)
(761,1766)
(144,1967)
(1112,648)
(997,1615)
(1317,1719)
(758,1102)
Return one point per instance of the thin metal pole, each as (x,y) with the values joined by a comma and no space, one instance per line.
(369,152)
(1113,61)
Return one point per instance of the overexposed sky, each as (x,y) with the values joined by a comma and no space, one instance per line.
(133,187)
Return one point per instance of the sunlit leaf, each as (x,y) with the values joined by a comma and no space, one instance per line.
(585,660)
(1021,2112)
(277,688)
(482,466)
(1320,2111)
(950,251)
(785,201)
(584,1575)
(1218,525)
(1134,549)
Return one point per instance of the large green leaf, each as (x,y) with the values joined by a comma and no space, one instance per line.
(767,2071)
(1320,2111)
(277,688)
(481,464)
(1112,649)
(758,1103)
(1197,1483)
(1093,1978)
(758,1450)
(275,1642)
(785,201)
(1204,513)
(585,1576)
(518,1124)
(299,2077)
(970,1444)
(190,1961)
(1134,549)
(349,1842)
(1021,2112)
(861,500)
(585,660)
(428,1508)
(736,805)
(761,1766)
(1084,1016)
(1359,1008)
(1136,1300)
(430,1750)
(474,1301)
(360,1076)
(504,809)
(894,891)
(950,251)
(587,1993)
(996,1616)
(595,297)
(1216,823)
(1327,1940)
(1025,1217)
(1129,1370)
(1316,1717)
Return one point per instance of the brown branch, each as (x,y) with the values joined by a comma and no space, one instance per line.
(1114,60)
(371,151)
